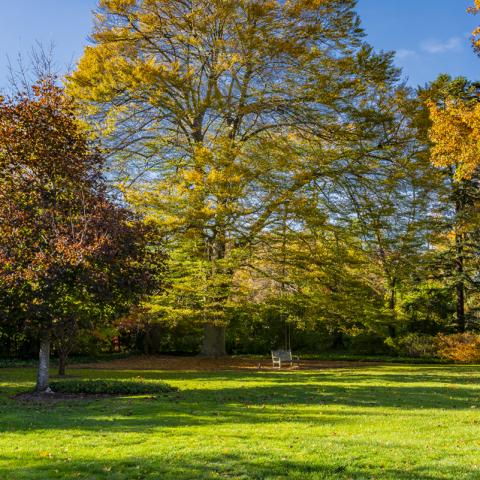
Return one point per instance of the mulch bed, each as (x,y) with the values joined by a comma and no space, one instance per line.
(165,362)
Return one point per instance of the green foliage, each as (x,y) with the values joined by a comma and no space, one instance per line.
(16,362)
(457,347)
(366,343)
(146,333)
(108,386)
(415,345)
(429,307)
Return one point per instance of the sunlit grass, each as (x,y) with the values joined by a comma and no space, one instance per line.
(391,422)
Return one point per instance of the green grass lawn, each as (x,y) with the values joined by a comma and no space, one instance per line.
(389,422)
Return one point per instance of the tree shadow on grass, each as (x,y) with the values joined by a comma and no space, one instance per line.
(237,401)
(455,374)
(211,466)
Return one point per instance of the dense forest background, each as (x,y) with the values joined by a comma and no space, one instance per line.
(296,192)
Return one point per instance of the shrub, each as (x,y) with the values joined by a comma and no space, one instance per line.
(459,347)
(114,387)
(366,343)
(16,362)
(415,345)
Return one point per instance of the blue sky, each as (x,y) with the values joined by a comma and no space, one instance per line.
(429,36)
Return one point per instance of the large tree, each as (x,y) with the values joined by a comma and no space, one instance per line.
(64,244)
(454,135)
(209,110)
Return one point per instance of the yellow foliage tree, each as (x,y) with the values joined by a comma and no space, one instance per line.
(455,134)
(208,108)
(455,129)
(476,32)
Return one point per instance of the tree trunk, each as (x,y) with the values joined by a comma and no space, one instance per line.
(392,331)
(460,307)
(213,341)
(459,255)
(459,287)
(214,335)
(43,361)
(62,363)
(392,301)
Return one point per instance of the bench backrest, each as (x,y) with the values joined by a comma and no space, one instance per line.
(284,355)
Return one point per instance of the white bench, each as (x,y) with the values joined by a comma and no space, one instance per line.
(283,356)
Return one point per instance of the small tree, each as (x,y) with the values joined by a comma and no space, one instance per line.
(64,243)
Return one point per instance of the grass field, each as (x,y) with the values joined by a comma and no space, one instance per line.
(374,422)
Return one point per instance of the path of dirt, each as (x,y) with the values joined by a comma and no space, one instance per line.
(165,362)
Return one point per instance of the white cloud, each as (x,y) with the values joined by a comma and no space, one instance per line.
(405,53)
(436,46)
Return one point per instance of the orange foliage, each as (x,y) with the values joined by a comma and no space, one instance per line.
(460,347)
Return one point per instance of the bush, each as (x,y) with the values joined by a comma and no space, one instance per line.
(366,343)
(114,387)
(415,345)
(459,347)
(16,362)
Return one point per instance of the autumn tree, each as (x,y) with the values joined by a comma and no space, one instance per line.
(209,109)
(455,134)
(452,104)
(475,9)
(64,243)
(455,129)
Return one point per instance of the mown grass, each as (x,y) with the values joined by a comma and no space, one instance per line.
(389,422)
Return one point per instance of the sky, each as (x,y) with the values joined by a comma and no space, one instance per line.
(429,36)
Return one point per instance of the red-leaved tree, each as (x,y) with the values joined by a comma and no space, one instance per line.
(65,245)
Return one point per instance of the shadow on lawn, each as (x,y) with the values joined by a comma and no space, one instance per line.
(458,374)
(240,398)
(197,466)
(235,399)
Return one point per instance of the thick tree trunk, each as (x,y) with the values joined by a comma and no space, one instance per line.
(213,341)
(62,363)
(214,335)
(43,362)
